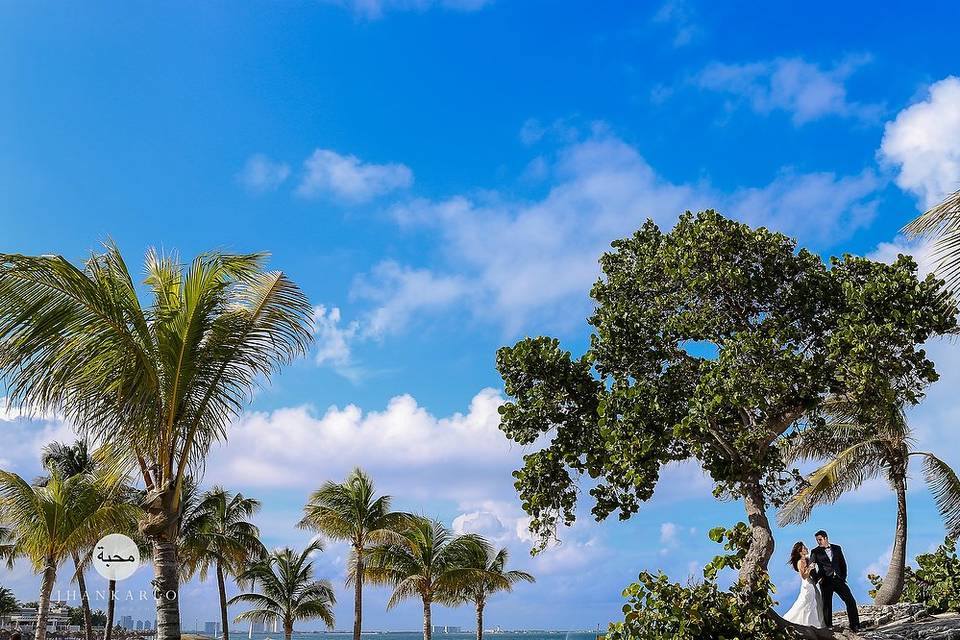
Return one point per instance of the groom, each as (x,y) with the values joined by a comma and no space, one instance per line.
(831,570)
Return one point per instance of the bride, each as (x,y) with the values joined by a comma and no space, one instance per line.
(807,610)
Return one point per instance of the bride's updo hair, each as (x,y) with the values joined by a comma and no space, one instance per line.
(795,555)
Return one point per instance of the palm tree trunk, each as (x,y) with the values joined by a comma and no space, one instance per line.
(358,598)
(892,586)
(427,629)
(223,602)
(111,601)
(761,540)
(43,606)
(84,599)
(479,620)
(167,586)
(287,629)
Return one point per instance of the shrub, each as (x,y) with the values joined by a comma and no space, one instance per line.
(658,609)
(935,583)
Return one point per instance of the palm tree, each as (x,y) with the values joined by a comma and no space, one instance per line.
(159,382)
(50,522)
(288,591)
(942,222)
(73,460)
(8,602)
(856,452)
(217,534)
(427,562)
(350,511)
(491,577)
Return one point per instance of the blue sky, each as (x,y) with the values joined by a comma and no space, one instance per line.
(440,176)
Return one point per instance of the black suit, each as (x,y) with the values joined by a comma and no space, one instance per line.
(832,578)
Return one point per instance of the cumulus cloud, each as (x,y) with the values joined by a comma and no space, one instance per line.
(923,144)
(922,251)
(261,174)
(345,177)
(405,443)
(803,89)
(511,262)
(375,9)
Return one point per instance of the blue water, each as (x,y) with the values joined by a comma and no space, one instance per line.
(418,635)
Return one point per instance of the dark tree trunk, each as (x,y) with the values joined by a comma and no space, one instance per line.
(287,629)
(358,597)
(223,602)
(84,599)
(167,584)
(892,586)
(761,541)
(111,602)
(480,620)
(43,606)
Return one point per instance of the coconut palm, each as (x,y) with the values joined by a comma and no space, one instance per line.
(218,535)
(856,452)
(427,562)
(351,511)
(288,591)
(8,602)
(73,460)
(159,382)
(50,522)
(491,577)
(942,223)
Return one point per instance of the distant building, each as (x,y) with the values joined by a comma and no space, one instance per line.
(446,628)
(211,628)
(126,622)
(139,625)
(25,620)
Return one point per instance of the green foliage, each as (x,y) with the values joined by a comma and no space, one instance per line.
(75,615)
(710,341)
(935,583)
(98,618)
(658,609)
(737,542)
(8,602)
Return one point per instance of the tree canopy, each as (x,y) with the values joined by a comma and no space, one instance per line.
(711,341)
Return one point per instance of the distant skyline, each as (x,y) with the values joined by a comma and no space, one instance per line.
(441,176)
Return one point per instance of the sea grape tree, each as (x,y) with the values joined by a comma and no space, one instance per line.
(711,342)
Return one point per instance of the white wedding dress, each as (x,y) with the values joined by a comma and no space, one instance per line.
(808,609)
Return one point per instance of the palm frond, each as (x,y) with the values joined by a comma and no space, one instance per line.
(945,487)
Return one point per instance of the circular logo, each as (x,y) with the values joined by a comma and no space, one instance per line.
(116,557)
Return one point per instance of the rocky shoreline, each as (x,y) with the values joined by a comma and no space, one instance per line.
(901,622)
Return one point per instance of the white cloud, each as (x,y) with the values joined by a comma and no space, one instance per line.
(803,89)
(374,9)
(923,252)
(815,205)
(412,450)
(668,533)
(400,292)
(513,261)
(261,174)
(335,341)
(923,144)
(345,177)
(678,15)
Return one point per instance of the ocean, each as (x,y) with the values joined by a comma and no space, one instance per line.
(418,635)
